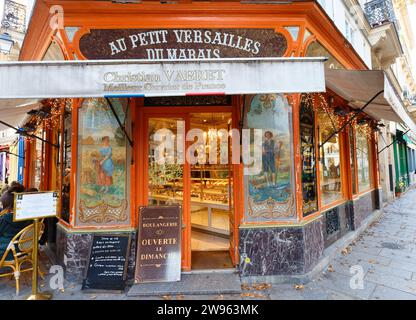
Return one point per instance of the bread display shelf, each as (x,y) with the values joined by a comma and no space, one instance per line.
(194,202)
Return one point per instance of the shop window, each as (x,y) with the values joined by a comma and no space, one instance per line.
(363,151)
(308,156)
(269,189)
(352,159)
(38,160)
(316,49)
(44,123)
(102,163)
(330,159)
(66,166)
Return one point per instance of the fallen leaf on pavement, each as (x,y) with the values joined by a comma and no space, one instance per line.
(166,297)
(299,287)
(263,286)
(331,268)
(245,287)
(346,251)
(252,295)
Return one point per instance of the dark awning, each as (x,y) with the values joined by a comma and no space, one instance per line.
(360,86)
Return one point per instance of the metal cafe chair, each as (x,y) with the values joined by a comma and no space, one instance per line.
(21,247)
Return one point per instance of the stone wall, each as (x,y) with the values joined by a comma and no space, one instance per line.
(264,251)
(280,250)
(364,206)
(337,222)
(73,250)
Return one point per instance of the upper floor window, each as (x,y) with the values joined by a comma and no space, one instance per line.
(349,31)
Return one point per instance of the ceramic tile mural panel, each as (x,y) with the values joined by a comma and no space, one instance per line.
(102,164)
(270,194)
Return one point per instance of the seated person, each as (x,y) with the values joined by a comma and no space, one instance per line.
(8,228)
(3,191)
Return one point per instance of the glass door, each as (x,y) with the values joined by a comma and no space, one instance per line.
(167,173)
(204,189)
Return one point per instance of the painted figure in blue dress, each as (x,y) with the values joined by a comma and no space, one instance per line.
(105,179)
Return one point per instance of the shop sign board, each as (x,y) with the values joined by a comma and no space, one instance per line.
(107,263)
(184,44)
(116,78)
(159,244)
(30,206)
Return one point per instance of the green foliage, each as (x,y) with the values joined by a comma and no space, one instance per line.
(401,185)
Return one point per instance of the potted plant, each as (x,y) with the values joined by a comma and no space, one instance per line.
(400,187)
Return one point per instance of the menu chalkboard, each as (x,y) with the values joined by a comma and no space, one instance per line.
(159,244)
(107,265)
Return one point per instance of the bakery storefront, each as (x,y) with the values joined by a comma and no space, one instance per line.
(270,219)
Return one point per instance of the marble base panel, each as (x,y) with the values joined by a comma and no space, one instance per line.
(280,250)
(364,206)
(337,222)
(73,249)
(379,199)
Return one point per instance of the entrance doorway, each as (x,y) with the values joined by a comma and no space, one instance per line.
(202,185)
(211,193)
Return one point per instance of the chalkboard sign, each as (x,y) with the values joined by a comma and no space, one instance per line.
(159,244)
(107,264)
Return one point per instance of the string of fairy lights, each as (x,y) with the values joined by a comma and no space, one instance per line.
(46,117)
(328,118)
(49,116)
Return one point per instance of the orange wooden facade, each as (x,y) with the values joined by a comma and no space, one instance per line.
(313,25)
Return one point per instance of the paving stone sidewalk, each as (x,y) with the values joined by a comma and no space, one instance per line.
(383,257)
